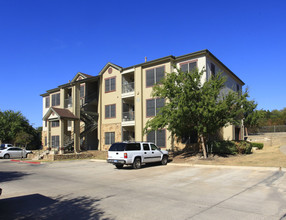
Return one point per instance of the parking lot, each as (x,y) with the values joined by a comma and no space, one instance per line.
(96,190)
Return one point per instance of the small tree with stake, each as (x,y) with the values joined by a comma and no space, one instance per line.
(192,105)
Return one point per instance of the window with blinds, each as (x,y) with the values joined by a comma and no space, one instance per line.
(154,76)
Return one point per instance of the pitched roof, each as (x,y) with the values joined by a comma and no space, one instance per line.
(61,113)
(86,75)
(108,65)
(83,75)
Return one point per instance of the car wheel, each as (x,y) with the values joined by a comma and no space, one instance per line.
(137,163)
(6,156)
(119,166)
(164,160)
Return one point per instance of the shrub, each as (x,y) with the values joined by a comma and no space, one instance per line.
(243,147)
(222,147)
(229,147)
(258,145)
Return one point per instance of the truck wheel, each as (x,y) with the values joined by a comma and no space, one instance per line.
(137,163)
(119,166)
(164,160)
(6,156)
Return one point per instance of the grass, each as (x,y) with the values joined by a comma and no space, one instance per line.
(269,156)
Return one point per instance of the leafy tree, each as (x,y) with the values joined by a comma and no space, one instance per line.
(10,124)
(252,117)
(195,106)
(15,128)
(23,138)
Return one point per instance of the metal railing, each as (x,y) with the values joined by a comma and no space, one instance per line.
(128,87)
(88,98)
(128,116)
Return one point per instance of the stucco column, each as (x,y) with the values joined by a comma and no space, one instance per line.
(62,98)
(76,136)
(48,135)
(62,136)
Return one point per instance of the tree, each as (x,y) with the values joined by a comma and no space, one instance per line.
(195,106)
(15,127)
(10,124)
(23,138)
(252,117)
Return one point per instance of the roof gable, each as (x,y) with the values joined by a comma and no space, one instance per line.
(80,76)
(110,65)
(59,113)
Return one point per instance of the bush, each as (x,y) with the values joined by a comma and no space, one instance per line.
(222,147)
(229,147)
(243,147)
(258,145)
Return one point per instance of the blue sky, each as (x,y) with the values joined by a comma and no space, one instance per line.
(44,43)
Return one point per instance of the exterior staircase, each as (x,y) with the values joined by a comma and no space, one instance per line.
(90,120)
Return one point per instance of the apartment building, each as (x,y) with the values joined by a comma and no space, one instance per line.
(92,112)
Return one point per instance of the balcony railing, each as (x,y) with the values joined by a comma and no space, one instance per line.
(128,87)
(68,102)
(128,116)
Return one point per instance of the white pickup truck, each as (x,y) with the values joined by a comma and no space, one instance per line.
(135,154)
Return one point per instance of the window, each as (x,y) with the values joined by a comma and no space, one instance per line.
(110,84)
(146,147)
(212,69)
(109,138)
(132,147)
(153,106)
(46,123)
(56,141)
(55,123)
(81,92)
(56,99)
(110,111)
(158,137)
(47,102)
(189,66)
(46,141)
(153,76)
(237,88)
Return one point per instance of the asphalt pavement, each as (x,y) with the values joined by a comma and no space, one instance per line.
(89,189)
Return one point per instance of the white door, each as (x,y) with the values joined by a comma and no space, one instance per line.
(147,155)
(156,153)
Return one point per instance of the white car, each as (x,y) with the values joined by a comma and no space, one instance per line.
(135,154)
(13,152)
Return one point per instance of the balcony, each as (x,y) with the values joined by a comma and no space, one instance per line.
(128,118)
(128,87)
(68,102)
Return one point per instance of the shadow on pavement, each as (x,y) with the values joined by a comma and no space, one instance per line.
(37,206)
(10,176)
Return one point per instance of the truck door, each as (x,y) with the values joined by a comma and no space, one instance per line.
(156,153)
(147,155)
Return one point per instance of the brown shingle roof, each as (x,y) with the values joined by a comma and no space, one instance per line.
(86,75)
(64,113)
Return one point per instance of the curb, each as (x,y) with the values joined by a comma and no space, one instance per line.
(97,160)
(23,161)
(229,167)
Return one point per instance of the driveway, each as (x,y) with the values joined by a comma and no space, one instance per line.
(96,190)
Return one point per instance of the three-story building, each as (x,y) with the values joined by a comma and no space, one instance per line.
(92,112)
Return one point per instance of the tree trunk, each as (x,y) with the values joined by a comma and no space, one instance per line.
(246,131)
(204,147)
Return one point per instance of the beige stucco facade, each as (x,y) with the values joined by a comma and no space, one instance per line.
(120,104)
